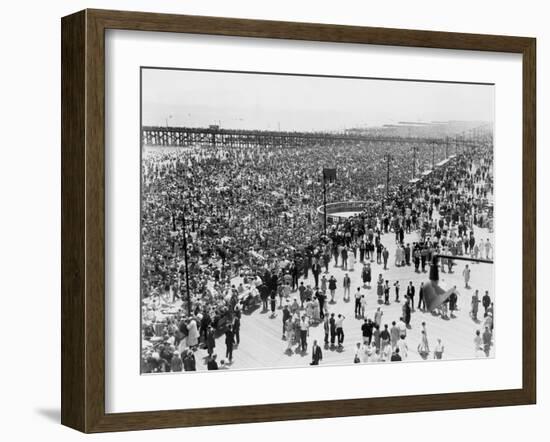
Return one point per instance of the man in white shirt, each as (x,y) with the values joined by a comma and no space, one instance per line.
(316,354)
(402,328)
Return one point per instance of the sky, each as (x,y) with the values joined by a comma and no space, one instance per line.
(303,103)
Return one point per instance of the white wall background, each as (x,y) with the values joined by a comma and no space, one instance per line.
(30,214)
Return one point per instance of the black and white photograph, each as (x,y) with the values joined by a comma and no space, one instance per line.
(292,220)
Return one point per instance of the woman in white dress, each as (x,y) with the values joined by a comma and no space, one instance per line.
(193,336)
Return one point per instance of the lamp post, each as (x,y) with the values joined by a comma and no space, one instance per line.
(388,158)
(329,174)
(325,202)
(415,148)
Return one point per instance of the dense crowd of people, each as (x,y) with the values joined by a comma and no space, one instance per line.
(251,213)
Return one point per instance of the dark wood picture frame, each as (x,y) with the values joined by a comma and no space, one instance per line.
(83,218)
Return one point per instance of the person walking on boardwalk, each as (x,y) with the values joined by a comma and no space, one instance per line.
(398,256)
(304,327)
(407,313)
(324,284)
(387,293)
(229,342)
(453,301)
(273,302)
(316,270)
(332,322)
(302,292)
(376,338)
(316,354)
(210,340)
(237,327)
(367,275)
(364,275)
(423,347)
(466,275)
(385,256)
(423,259)
(359,352)
(340,329)
(366,331)
(321,299)
(326,260)
(394,334)
(363,303)
(358,297)
(290,334)
(326,329)
(380,288)
(416,257)
(344,258)
(332,288)
(478,344)
(402,327)
(384,339)
(488,249)
(487,339)
(439,349)
(347,287)
(286,316)
(351,261)
(475,305)
(410,292)
(378,316)
(403,347)
(396,286)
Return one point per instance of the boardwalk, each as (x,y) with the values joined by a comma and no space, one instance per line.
(262,347)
